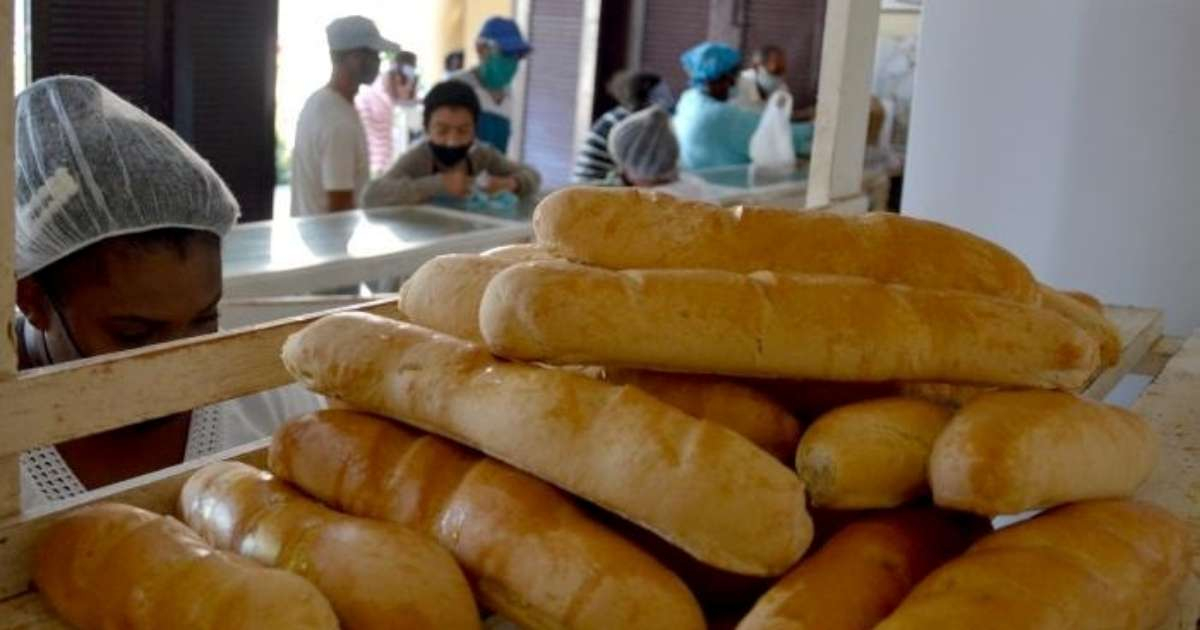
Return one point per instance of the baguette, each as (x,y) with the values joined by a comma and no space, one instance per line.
(862,573)
(1092,322)
(629,228)
(1099,565)
(444,295)
(1008,452)
(518,252)
(376,575)
(771,325)
(111,565)
(872,454)
(615,446)
(1087,299)
(532,555)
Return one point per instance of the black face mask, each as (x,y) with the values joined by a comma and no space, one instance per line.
(448,155)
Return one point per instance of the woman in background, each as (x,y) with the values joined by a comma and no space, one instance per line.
(646,155)
(633,91)
(119,226)
(712,130)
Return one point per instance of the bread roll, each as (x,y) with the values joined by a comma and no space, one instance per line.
(1087,299)
(445,292)
(444,295)
(730,404)
(533,556)
(630,228)
(872,454)
(861,574)
(769,325)
(615,446)
(1099,565)
(376,575)
(111,565)
(518,252)
(1092,322)
(1007,452)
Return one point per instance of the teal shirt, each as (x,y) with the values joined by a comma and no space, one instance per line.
(717,133)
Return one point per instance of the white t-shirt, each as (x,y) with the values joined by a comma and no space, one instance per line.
(330,152)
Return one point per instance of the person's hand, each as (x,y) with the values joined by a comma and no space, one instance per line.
(456,182)
(496,184)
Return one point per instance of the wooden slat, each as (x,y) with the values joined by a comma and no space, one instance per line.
(843,100)
(156,492)
(1140,329)
(1172,405)
(51,405)
(10,480)
(1153,363)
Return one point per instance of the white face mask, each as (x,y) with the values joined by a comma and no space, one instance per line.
(768,82)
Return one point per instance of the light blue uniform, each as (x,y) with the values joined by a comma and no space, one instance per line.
(717,133)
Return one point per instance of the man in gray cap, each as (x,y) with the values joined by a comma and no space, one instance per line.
(330,164)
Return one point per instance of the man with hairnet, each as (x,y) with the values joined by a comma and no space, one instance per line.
(646,154)
(330,161)
(712,130)
(118,245)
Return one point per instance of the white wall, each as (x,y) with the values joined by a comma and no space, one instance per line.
(1068,131)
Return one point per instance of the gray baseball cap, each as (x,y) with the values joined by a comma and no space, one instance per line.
(356,31)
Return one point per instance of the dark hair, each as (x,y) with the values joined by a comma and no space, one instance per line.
(451,94)
(405,58)
(761,54)
(454,60)
(632,89)
(58,278)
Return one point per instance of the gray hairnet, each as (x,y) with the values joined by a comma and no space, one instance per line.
(644,145)
(90,166)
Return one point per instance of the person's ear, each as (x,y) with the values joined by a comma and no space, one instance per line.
(483,49)
(34,303)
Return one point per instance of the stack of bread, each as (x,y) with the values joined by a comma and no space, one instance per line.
(626,423)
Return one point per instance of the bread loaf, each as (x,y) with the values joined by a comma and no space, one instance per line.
(772,325)
(861,574)
(533,556)
(375,574)
(110,565)
(444,295)
(631,228)
(1007,452)
(615,446)
(1092,322)
(1098,565)
(1086,299)
(871,454)
(518,252)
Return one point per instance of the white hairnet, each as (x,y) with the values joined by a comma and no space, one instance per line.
(90,166)
(644,146)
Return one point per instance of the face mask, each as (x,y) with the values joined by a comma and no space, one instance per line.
(447,155)
(768,82)
(497,71)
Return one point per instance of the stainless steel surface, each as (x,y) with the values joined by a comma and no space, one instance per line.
(747,176)
(296,256)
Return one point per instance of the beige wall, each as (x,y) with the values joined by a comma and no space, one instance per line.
(899,23)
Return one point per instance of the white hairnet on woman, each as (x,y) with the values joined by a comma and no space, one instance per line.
(644,147)
(119,226)
(90,166)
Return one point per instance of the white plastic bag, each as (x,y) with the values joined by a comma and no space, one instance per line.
(771,144)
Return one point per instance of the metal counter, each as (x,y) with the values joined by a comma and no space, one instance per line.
(300,256)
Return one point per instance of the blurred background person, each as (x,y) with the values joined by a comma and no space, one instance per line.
(712,130)
(378,106)
(763,78)
(501,48)
(633,92)
(646,154)
(453,62)
(447,164)
(330,161)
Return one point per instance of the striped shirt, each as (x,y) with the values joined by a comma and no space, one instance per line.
(594,163)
